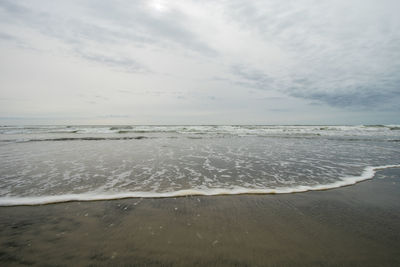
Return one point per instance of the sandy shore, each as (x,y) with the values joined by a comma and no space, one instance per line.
(353,226)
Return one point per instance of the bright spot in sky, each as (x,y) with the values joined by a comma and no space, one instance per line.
(158,5)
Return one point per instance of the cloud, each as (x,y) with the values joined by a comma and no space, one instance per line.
(103,21)
(11,7)
(351,99)
(224,55)
(123,63)
(340,53)
(18,42)
(5,36)
(353,91)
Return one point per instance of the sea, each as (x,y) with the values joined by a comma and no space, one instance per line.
(52,164)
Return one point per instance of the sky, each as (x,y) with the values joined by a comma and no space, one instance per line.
(199,62)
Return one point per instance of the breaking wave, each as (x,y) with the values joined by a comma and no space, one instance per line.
(237,130)
(75,139)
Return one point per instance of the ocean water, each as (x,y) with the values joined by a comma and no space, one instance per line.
(50,164)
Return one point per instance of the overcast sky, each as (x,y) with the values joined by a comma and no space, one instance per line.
(200,62)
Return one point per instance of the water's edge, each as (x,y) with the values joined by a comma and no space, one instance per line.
(368,173)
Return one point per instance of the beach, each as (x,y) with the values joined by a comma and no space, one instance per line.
(199,133)
(356,225)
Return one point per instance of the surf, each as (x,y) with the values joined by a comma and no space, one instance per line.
(367,174)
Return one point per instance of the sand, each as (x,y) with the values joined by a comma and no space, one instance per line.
(357,225)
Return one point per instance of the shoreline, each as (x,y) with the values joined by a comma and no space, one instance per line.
(368,173)
(355,225)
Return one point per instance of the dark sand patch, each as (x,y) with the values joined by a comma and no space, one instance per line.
(353,226)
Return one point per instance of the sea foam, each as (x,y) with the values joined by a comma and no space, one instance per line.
(368,173)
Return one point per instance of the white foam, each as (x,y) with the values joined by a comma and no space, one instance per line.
(368,173)
(239,130)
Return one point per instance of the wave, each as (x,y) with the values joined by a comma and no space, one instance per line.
(63,132)
(125,127)
(197,136)
(375,125)
(254,130)
(368,173)
(78,139)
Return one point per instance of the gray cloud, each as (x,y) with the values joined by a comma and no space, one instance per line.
(341,53)
(331,88)
(11,7)
(141,25)
(220,55)
(103,21)
(4,36)
(123,63)
(252,78)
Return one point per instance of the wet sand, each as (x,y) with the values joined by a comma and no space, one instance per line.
(352,226)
